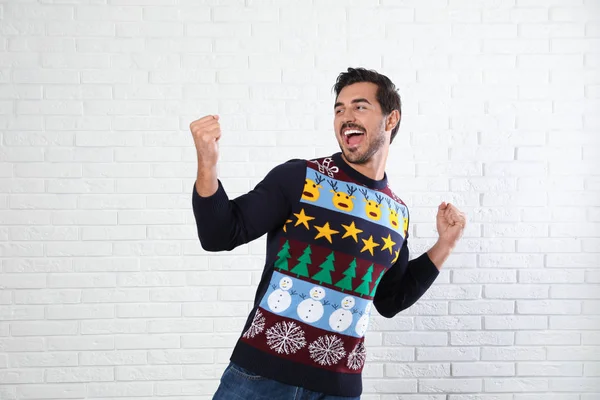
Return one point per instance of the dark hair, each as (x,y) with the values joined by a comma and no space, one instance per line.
(387,94)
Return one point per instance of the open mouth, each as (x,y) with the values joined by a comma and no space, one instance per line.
(353,136)
(308,194)
(395,224)
(372,214)
(342,205)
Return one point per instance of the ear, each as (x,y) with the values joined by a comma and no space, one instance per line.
(392,120)
(320,187)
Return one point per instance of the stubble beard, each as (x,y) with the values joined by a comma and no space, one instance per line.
(358,157)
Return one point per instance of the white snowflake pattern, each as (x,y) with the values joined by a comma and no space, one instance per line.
(285,337)
(327,350)
(357,357)
(257,326)
(326,167)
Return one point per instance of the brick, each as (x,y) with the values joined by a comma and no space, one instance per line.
(485,276)
(446,292)
(450,385)
(514,230)
(119,389)
(513,385)
(148,373)
(419,370)
(111,358)
(10,345)
(549,369)
(578,323)
(549,245)
(448,354)
(572,260)
(515,168)
(515,322)
(512,353)
(47,328)
(410,339)
(21,313)
(571,353)
(480,397)
(547,338)
(571,183)
(146,342)
(481,338)
(591,369)
(480,369)
(105,264)
(516,291)
(82,218)
(115,326)
(481,307)
(23,281)
(589,291)
(548,307)
(575,384)
(545,276)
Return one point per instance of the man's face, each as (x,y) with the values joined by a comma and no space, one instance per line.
(359,123)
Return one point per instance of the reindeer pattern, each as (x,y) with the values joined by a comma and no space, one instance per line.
(354,199)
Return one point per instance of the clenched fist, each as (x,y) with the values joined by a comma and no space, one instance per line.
(206,132)
(450,223)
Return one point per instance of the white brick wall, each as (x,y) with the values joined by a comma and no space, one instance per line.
(105,292)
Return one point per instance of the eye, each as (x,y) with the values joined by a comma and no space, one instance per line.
(314,185)
(347,197)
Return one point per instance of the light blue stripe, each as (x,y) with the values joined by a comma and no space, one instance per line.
(302,289)
(326,196)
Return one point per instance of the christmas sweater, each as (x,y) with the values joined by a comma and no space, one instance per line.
(336,248)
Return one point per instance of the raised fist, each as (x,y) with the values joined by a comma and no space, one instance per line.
(206,132)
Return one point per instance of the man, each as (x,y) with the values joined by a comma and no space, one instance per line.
(336,247)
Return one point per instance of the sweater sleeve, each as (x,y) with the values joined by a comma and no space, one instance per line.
(224,224)
(404,283)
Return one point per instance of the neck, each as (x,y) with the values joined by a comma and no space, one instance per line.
(374,168)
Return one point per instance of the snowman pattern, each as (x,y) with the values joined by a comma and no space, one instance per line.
(341,319)
(280,299)
(311,310)
(363,322)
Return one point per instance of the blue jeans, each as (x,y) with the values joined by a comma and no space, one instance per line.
(238,383)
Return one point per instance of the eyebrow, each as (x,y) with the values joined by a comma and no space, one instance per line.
(361,100)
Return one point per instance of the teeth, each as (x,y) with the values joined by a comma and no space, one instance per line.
(351,131)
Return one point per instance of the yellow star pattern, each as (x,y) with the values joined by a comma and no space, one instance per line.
(351,230)
(285,225)
(325,231)
(396,258)
(303,219)
(369,245)
(388,243)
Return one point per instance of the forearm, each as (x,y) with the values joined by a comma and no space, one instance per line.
(439,253)
(215,220)
(206,179)
(404,283)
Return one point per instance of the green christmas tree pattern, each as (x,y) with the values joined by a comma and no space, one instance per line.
(363,288)
(302,268)
(284,254)
(377,283)
(346,282)
(324,275)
